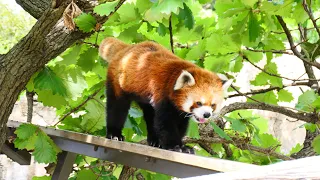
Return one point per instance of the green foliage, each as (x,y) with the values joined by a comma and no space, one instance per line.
(220,39)
(30,137)
(106,8)
(305,101)
(85,22)
(41,178)
(316,144)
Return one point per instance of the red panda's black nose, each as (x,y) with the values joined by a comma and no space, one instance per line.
(206,115)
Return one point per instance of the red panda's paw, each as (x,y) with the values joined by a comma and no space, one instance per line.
(183,148)
(154,144)
(117,138)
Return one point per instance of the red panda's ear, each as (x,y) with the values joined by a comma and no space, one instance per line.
(226,83)
(185,79)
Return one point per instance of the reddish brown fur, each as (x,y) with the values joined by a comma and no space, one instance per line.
(149,70)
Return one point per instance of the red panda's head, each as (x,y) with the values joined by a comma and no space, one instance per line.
(199,93)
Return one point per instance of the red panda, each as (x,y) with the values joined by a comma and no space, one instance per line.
(169,91)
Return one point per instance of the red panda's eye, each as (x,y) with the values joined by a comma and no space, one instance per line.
(199,103)
(213,106)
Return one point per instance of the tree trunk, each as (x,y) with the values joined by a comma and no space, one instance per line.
(47,39)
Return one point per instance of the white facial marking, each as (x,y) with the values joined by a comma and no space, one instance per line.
(187,104)
(203,100)
(200,111)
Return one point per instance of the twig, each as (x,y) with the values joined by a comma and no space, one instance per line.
(171,34)
(244,94)
(92,44)
(105,18)
(270,74)
(303,116)
(260,91)
(78,107)
(30,105)
(310,14)
(127,172)
(292,46)
(272,51)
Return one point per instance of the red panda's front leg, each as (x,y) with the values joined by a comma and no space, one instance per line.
(170,125)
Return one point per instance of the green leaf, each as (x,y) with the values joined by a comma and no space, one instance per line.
(186,16)
(253,56)
(296,149)
(95,118)
(162,30)
(267,141)
(87,59)
(44,152)
(85,22)
(249,2)
(305,101)
(316,144)
(162,9)
(41,178)
(193,130)
(70,56)
(25,131)
(311,127)
(135,113)
(219,131)
(253,27)
(48,80)
(312,50)
(86,174)
(236,124)
(49,99)
(197,51)
(106,8)
(268,97)
(285,96)
(221,44)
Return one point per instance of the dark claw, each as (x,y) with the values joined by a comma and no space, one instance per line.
(184,149)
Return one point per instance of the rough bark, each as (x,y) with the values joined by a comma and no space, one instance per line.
(36,7)
(47,39)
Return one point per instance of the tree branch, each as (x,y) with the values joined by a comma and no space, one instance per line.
(30,105)
(34,7)
(310,14)
(306,117)
(271,74)
(240,144)
(260,91)
(272,51)
(78,107)
(292,46)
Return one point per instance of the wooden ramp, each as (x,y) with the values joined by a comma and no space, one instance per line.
(136,155)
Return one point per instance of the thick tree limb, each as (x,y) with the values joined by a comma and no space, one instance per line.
(47,39)
(35,7)
(306,117)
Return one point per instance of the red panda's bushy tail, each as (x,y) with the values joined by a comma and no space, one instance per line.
(109,47)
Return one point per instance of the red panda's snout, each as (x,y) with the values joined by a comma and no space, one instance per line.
(202,107)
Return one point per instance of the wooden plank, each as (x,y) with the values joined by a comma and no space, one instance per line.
(22,157)
(64,165)
(140,156)
(305,168)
